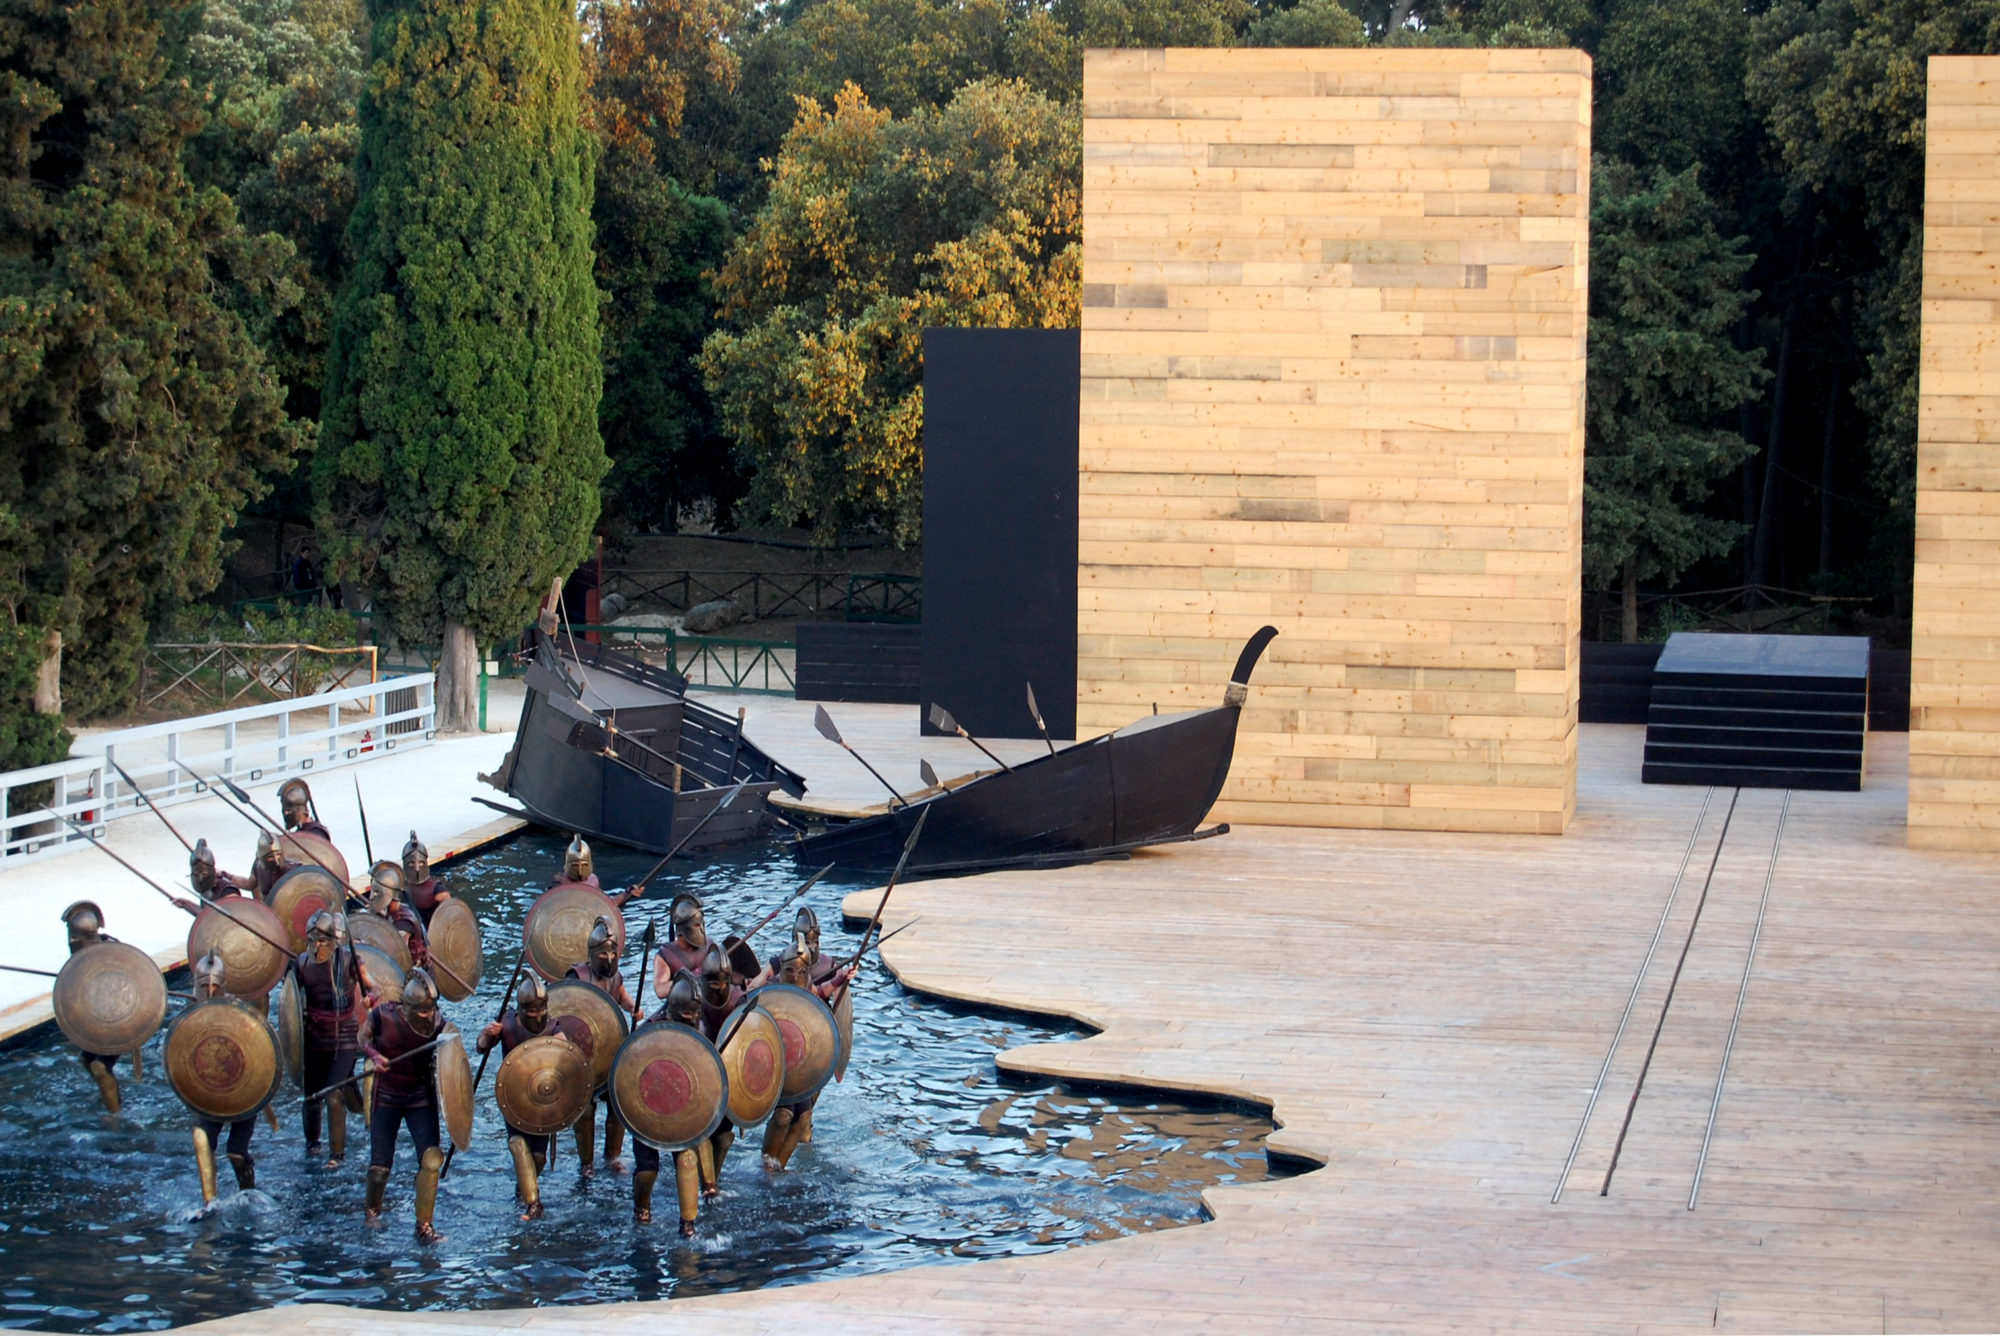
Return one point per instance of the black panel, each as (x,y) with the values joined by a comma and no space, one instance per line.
(861,661)
(1617,685)
(1761,711)
(1000,557)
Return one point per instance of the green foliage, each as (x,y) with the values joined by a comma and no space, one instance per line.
(27,739)
(1840,86)
(460,457)
(287,624)
(278,80)
(1163,22)
(656,244)
(1308,23)
(136,414)
(1670,85)
(1666,291)
(874,228)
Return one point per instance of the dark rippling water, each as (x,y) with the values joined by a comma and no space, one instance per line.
(923,1154)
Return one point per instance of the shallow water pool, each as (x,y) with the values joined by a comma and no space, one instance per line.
(923,1154)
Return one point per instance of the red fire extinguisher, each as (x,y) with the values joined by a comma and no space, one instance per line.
(367,739)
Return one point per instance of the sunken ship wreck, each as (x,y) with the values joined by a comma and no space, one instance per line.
(610,747)
(1150,782)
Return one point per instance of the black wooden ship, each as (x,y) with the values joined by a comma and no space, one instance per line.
(610,747)
(1150,782)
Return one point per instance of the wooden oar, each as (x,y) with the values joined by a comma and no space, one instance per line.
(875,920)
(133,784)
(824,723)
(368,1068)
(180,902)
(941,718)
(1036,711)
(638,888)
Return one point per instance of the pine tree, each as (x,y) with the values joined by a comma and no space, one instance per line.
(1666,290)
(136,415)
(460,457)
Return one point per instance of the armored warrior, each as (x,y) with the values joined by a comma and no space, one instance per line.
(295,804)
(600,970)
(211,884)
(791,1124)
(528,1018)
(805,932)
(385,897)
(577,866)
(721,994)
(421,890)
(334,990)
(270,865)
(207,980)
(404,1095)
(685,949)
(683,1006)
(85,922)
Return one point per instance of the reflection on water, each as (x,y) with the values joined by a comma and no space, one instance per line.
(922,1154)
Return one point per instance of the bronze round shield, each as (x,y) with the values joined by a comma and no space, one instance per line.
(742,957)
(222,1059)
(245,933)
(557,929)
(310,850)
(753,1053)
(367,929)
(608,1024)
(668,1085)
(299,894)
(451,1082)
(812,1038)
(110,998)
(384,976)
(544,1085)
(843,1016)
(455,943)
(291,1030)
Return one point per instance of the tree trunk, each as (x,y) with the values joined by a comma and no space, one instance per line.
(1826,480)
(1631,627)
(1746,426)
(48,681)
(458,681)
(1767,509)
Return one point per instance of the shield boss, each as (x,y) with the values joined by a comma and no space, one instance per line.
(222,1059)
(110,998)
(668,1086)
(557,929)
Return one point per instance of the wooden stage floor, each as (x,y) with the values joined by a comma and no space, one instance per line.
(1429,1015)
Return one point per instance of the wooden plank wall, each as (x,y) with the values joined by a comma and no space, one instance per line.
(1955,622)
(1333,341)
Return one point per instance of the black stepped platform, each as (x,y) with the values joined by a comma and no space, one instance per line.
(1759,711)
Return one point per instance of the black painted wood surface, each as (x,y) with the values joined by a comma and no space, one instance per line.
(1000,524)
(1759,711)
(859,661)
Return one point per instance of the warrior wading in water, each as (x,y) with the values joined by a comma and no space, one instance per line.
(683,1007)
(295,801)
(385,897)
(527,1019)
(210,884)
(333,989)
(85,922)
(208,975)
(421,891)
(579,870)
(721,994)
(792,1123)
(683,951)
(599,969)
(403,1095)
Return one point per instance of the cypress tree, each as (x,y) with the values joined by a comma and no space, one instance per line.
(136,414)
(460,455)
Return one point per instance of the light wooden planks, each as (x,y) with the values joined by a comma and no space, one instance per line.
(1333,338)
(1955,623)
(1427,1013)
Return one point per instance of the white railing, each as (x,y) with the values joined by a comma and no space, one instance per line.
(174,761)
